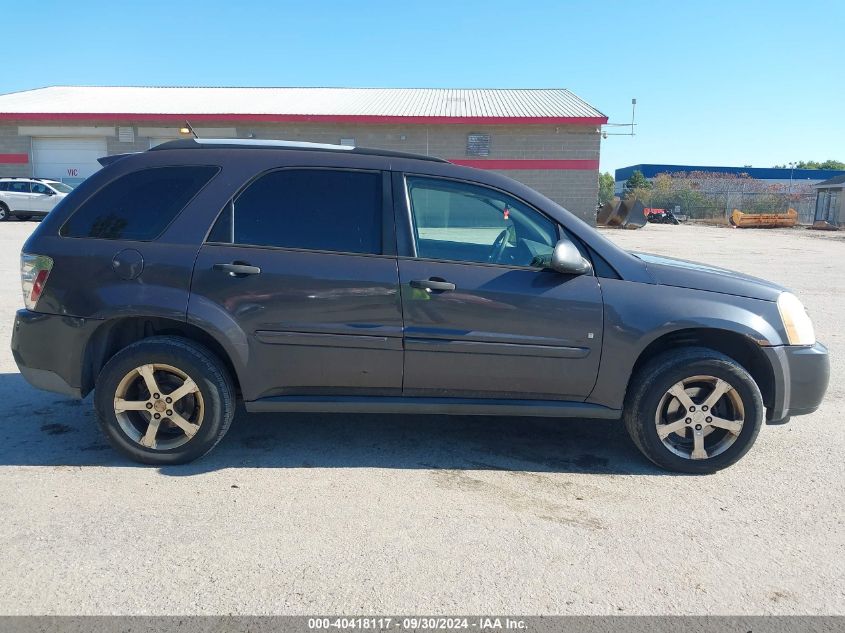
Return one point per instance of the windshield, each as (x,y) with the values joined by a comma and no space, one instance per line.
(61,187)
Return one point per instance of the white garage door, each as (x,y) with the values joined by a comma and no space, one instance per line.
(70,160)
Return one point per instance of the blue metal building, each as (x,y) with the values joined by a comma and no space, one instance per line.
(803,176)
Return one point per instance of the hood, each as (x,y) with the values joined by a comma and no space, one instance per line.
(680,273)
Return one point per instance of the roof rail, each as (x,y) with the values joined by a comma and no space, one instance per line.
(39,178)
(224,143)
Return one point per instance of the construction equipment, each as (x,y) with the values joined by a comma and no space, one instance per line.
(763,220)
(628,214)
(660,216)
(608,214)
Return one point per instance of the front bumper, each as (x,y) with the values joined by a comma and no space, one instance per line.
(801,375)
(49,350)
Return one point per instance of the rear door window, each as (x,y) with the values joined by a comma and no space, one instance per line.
(139,205)
(19,187)
(313,209)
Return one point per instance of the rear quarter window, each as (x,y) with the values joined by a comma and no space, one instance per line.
(140,205)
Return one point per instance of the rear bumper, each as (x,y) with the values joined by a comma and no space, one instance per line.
(801,375)
(49,350)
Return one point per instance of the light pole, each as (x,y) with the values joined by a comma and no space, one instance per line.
(791,171)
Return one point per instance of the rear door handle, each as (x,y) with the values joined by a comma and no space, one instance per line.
(237,269)
(432,284)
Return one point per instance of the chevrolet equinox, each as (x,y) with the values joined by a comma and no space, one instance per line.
(309,277)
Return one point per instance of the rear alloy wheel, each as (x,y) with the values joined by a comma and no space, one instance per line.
(159,406)
(4,212)
(694,410)
(164,400)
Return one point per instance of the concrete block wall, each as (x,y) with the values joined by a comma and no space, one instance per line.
(12,143)
(576,190)
(115,146)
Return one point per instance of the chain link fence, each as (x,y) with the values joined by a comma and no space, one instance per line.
(719,206)
(714,196)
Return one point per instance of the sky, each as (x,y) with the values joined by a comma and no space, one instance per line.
(716,83)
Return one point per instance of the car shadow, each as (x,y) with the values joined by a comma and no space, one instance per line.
(40,428)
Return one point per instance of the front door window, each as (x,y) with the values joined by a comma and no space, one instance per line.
(456,221)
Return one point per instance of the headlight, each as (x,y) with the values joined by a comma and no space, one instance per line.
(799,327)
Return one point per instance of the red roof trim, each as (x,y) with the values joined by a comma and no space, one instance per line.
(16,159)
(550,164)
(316,118)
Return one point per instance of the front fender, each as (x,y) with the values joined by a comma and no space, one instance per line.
(638,314)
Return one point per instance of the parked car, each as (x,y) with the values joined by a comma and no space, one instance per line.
(25,198)
(302,277)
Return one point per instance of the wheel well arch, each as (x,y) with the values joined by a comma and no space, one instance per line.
(736,346)
(116,334)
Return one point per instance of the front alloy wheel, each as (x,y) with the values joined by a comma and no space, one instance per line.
(693,410)
(700,417)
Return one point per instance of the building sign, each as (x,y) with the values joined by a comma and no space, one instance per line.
(478,144)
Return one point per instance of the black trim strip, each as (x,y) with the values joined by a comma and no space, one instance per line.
(443,406)
(483,347)
(319,339)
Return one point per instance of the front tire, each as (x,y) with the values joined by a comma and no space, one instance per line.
(5,214)
(693,411)
(164,400)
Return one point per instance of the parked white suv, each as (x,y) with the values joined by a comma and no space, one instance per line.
(28,197)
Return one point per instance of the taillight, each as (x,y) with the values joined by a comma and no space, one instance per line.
(34,272)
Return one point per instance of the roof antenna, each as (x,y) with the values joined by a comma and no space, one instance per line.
(188,129)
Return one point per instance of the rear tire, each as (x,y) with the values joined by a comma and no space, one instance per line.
(5,214)
(677,418)
(137,384)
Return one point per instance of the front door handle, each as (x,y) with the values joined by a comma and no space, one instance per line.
(432,284)
(238,269)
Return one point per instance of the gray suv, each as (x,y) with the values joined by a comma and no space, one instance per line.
(307,277)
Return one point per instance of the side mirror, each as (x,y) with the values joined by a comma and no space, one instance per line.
(567,259)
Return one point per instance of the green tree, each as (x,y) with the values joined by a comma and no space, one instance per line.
(606,186)
(636,182)
(814,164)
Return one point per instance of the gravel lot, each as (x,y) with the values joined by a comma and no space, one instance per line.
(306,514)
